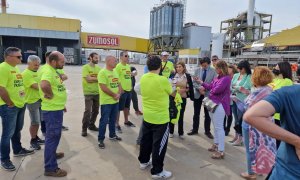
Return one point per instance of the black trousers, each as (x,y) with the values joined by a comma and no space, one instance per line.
(228,122)
(180,121)
(154,140)
(91,111)
(196,118)
(134,100)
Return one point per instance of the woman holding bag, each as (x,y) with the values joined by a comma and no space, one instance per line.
(183,81)
(219,93)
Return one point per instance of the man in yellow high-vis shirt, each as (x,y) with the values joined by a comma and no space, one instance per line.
(54,98)
(12,107)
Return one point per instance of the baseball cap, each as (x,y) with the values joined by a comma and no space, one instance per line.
(165,53)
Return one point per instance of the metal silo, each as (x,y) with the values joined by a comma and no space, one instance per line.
(151,24)
(159,21)
(163,23)
(169,19)
(154,23)
(176,19)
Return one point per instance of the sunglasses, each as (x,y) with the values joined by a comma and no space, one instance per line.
(214,59)
(126,55)
(19,57)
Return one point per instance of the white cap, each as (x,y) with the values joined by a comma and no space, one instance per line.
(165,53)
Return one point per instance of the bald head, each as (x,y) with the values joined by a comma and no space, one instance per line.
(110,62)
(57,60)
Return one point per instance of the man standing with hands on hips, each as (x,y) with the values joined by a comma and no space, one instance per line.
(54,99)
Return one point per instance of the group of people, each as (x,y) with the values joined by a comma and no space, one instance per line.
(227,92)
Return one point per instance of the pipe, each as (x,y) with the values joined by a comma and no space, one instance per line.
(250,13)
(3,6)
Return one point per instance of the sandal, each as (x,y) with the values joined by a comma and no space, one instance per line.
(213,148)
(218,155)
(247,176)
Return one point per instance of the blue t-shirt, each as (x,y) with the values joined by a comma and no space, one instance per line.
(146,70)
(286,102)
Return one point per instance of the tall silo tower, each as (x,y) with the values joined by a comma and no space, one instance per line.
(166,26)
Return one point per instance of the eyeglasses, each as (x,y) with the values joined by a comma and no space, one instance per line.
(126,56)
(19,57)
(214,59)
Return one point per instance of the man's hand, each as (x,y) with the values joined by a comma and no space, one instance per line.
(10,105)
(48,96)
(117,97)
(65,109)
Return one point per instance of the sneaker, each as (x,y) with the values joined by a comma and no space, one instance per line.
(8,165)
(35,145)
(163,175)
(191,133)
(93,128)
(64,128)
(129,124)
(181,136)
(115,138)
(84,134)
(171,135)
(101,145)
(144,166)
(40,141)
(59,155)
(24,152)
(57,173)
(118,129)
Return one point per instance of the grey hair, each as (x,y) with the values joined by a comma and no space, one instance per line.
(11,50)
(33,58)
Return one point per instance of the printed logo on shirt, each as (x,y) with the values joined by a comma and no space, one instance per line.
(18,83)
(19,76)
(127,75)
(60,88)
(13,72)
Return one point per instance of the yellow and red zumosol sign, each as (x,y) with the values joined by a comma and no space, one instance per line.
(111,41)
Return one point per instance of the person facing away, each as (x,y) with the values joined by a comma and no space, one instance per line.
(155,91)
(286,102)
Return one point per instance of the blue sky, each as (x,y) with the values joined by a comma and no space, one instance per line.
(131,17)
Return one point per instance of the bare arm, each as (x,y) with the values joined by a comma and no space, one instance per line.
(35,86)
(107,91)
(5,97)
(259,117)
(46,88)
(64,77)
(91,79)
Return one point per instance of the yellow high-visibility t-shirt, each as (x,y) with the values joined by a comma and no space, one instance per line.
(59,99)
(90,88)
(124,74)
(168,68)
(30,78)
(11,79)
(155,91)
(111,80)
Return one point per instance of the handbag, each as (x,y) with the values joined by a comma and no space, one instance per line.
(209,104)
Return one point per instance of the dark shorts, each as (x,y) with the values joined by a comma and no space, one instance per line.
(125,100)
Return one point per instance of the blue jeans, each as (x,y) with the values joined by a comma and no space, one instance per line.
(237,118)
(246,143)
(109,114)
(53,121)
(12,124)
